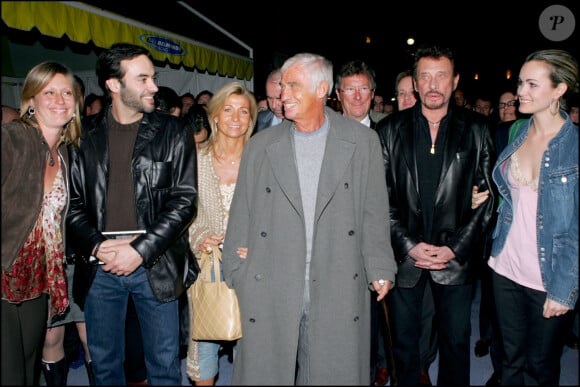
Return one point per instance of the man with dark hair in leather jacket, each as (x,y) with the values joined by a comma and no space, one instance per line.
(133,194)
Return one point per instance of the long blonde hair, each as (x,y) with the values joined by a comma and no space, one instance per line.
(36,80)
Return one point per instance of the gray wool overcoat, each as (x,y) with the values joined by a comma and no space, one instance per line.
(351,247)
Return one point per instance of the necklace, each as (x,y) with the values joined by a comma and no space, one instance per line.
(224,161)
(50,159)
(435,126)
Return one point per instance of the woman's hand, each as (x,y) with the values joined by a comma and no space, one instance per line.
(478,198)
(242,252)
(209,241)
(554,309)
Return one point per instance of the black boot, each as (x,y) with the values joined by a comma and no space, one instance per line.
(55,374)
(90,373)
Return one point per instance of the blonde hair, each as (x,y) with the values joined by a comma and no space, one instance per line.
(217,102)
(36,80)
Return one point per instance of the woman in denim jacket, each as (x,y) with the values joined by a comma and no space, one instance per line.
(535,243)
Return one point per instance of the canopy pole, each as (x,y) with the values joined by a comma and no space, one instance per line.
(217,27)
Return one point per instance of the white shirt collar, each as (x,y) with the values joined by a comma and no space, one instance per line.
(366,121)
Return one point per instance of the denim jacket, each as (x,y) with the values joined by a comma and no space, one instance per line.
(557,213)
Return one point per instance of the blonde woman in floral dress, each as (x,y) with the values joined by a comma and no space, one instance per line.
(232,115)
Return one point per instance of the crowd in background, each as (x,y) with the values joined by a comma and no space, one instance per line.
(216,126)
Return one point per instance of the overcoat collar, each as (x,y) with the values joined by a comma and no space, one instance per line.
(338,154)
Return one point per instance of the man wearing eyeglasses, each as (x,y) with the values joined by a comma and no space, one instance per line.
(508,112)
(355,87)
(507,107)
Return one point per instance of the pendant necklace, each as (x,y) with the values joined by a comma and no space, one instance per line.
(224,161)
(435,126)
(50,159)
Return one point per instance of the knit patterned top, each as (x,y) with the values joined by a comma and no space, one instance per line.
(213,204)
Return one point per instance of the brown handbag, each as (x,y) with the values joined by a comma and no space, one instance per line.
(213,306)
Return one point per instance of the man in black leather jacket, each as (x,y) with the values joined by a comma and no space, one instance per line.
(134,178)
(434,153)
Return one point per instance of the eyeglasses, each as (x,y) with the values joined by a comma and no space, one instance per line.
(363,90)
(503,105)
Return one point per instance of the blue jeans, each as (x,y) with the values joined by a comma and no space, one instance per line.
(105,313)
(208,354)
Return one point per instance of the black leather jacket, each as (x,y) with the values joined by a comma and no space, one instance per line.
(468,159)
(164,177)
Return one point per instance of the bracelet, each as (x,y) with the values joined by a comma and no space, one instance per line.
(96,249)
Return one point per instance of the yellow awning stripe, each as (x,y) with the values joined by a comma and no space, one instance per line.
(83,23)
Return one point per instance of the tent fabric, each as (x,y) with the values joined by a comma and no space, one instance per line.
(83,23)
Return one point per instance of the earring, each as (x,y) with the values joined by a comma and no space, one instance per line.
(557,107)
(69,123)
(30,111)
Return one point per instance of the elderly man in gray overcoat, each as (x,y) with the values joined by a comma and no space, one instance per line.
(311,207)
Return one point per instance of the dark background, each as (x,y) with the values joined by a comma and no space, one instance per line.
(488,37)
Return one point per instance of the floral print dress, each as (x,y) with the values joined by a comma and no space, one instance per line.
(39,267)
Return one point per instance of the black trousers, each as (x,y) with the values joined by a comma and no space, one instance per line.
(23,331)
(532,344)
(488,325)
(452,313)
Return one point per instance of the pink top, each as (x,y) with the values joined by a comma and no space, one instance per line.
(518,260)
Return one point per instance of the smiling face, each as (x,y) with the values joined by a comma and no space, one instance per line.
(55,104)
(234,118)
(355,93)
(507,107)
(536,92)
(298,93)
(135,92)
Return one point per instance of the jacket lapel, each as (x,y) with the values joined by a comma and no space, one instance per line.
(454,133)
(338,154)
(281,157)
(145,134)
(407,143)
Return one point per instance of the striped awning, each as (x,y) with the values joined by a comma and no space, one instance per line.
(83,23)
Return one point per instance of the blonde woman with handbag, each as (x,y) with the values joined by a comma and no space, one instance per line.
(232,115)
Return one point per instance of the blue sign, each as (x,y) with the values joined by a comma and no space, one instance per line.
(163,45)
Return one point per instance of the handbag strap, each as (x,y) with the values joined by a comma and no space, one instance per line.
(206,259)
